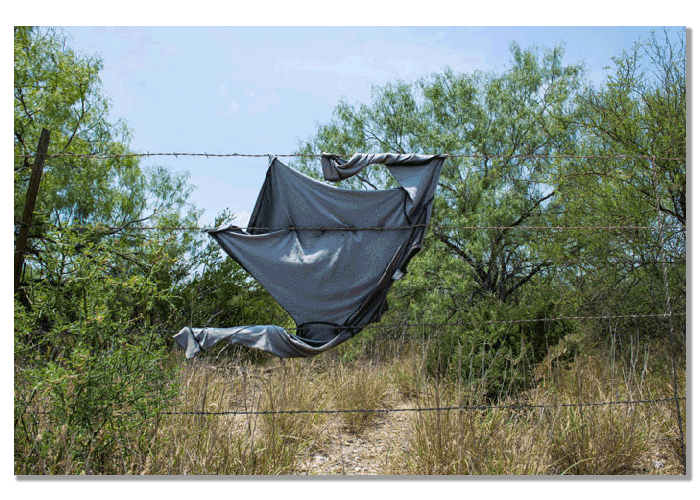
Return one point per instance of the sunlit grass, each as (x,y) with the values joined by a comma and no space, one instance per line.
(232,417)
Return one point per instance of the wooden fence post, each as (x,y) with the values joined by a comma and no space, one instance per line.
(32,191)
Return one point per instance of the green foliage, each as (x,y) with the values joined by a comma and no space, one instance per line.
(639,112)
(99,301)
(88,359)
(58,89)
(534,149)
(524,136)
(514,118)
(492,349)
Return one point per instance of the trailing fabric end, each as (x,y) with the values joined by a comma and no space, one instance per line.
(269,338)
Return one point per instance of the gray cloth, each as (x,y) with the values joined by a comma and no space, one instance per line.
(305,245)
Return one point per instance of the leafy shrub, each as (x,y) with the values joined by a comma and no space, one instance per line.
(73,415)
(89,370)
(493,353)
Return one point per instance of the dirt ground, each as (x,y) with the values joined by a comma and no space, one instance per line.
(369,452)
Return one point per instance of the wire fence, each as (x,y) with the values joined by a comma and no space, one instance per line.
(668,305)
(406,325)
(662,229)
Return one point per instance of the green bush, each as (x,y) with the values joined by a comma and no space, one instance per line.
(90,371)
(77,414)
(494,352)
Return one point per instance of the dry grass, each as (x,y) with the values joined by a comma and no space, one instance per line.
(247,443)
(362,388)
(552,430)
(474,441)
(603,439)
(548,430)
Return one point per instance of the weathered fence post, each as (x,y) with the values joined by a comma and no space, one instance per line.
(29,203)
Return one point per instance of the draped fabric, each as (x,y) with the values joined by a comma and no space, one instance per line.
(328,256)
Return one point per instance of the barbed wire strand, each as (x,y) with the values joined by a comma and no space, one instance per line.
(421,409)
(521,406)
(350,228)
(317,155)
(380,326)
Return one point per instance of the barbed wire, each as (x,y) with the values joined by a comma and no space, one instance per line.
(405,326)
(353,228)
(317,155)
(531,320)
(520,406)
(478,407)
(421,409)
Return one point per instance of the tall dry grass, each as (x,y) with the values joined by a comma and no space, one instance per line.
(362,389)
(557,428)
(275,425)
(281,419)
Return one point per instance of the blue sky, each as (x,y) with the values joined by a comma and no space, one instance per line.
(261,90)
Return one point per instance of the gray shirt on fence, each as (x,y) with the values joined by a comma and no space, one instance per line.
(308,245)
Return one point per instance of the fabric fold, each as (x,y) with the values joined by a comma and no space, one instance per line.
(327,255)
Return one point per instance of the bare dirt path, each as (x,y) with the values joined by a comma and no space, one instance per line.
(373,451)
